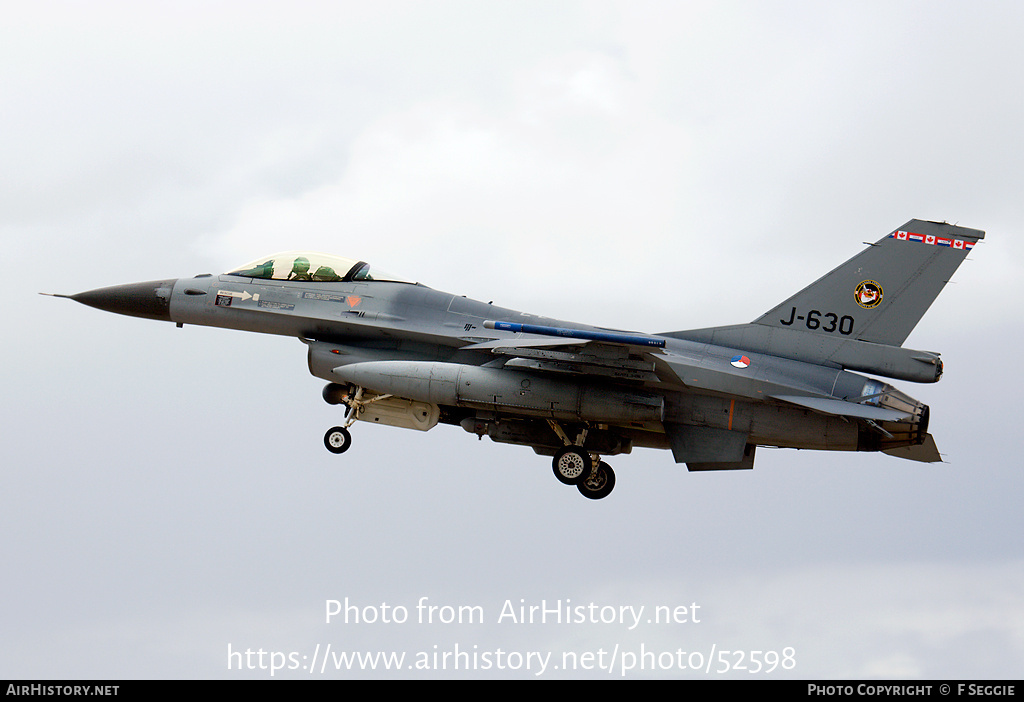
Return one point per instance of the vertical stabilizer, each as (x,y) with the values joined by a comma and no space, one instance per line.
(880,294)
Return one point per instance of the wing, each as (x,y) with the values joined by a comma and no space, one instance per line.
(608,354)
(617,361)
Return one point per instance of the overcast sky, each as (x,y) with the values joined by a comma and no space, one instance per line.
(652,166)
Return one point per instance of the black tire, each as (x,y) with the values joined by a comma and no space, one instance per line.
(337,440)
(571,465)
(598,485)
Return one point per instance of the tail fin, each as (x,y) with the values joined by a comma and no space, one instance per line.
(881,294)
(859,315)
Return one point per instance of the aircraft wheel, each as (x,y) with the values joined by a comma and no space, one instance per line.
(598,484)
(571,464)
(337,440)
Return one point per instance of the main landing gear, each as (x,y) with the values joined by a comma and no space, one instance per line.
(593,477)
(572,465)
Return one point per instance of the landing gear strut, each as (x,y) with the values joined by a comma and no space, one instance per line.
(339,439)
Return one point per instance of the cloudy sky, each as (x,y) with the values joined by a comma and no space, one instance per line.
(166,496)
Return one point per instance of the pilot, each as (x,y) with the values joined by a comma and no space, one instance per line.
(326,274)
(300,269)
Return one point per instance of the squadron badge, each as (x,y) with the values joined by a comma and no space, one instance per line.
(868,294)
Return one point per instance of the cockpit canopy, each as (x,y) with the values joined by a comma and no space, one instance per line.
(313,267)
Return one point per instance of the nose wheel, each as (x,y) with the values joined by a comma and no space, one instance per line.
(337,439)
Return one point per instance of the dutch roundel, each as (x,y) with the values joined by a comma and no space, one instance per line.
(740,361)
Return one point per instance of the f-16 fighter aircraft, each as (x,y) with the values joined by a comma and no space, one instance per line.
(396,352)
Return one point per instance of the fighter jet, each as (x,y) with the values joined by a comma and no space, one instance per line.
(398,353)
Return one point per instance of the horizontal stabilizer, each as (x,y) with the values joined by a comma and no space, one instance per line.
(842,408)
(927,452)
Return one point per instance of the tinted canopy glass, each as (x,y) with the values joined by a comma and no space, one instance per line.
(312,267)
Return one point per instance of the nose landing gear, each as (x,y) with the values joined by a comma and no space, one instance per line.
(339,439)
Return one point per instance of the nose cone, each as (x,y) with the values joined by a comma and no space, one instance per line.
(151,300)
